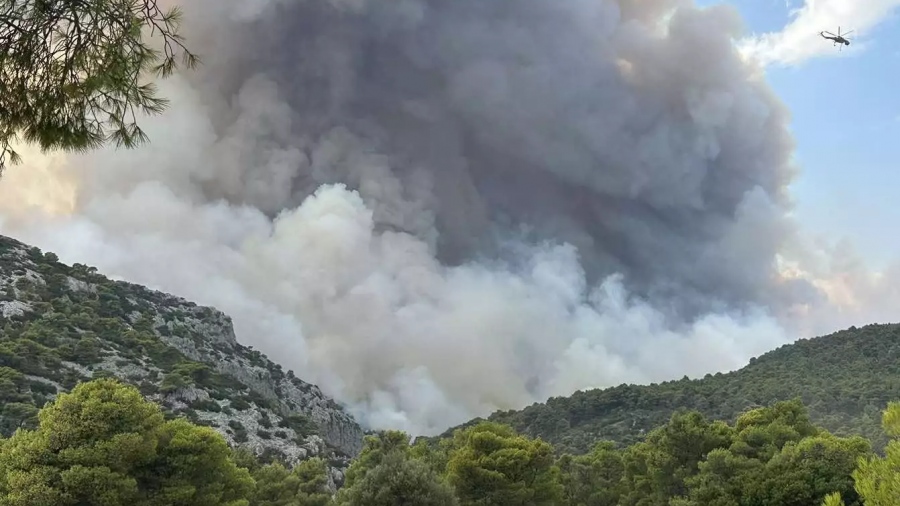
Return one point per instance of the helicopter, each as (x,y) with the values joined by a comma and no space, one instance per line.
(838,39)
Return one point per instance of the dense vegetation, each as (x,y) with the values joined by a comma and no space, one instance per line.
(105,444)
(845,379)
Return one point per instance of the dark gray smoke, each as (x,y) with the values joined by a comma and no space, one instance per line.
(440,208)
(631,129)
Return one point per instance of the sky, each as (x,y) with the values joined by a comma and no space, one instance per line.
(845,113)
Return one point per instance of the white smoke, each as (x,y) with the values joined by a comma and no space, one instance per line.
(434,210)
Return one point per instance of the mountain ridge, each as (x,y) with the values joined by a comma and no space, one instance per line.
(846,378)
(62,324)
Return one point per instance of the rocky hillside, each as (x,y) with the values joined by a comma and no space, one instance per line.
(845,378)
(60,325)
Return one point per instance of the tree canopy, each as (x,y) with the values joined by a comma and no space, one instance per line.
(844,379)
(74,73)
(104,444)
(877,478)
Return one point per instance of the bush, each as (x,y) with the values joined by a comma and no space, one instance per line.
(240,404)
(207,405)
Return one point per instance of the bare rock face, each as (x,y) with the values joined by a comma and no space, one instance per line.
(218,347)
(181,355)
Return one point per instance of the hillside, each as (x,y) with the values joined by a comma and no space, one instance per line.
(845,379)
(60,325)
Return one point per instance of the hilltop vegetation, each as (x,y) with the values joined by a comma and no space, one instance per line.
(103,443)
(61,325)
(846,379)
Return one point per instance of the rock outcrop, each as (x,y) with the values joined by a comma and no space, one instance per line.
(63,324)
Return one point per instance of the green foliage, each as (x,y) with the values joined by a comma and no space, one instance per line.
(207,405)
(388,471)
(845,379)
(804,472)
(375,448)
(238,430)
(300,424)
(240,404)
(436,456)
(877,479)
(772,456)
(72,71)
(305,485)
(890,420)
(593,479)
(833,500)
(104,444)
(398,479)
(18,415)
(656,469)
(173,382)
(762,432)
(492,465)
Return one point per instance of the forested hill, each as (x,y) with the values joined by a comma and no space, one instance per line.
(61,325)
(845,379)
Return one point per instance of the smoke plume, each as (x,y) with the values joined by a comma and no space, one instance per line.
(437,209)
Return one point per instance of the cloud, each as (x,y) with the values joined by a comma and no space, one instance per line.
(800,40)
(438,209)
